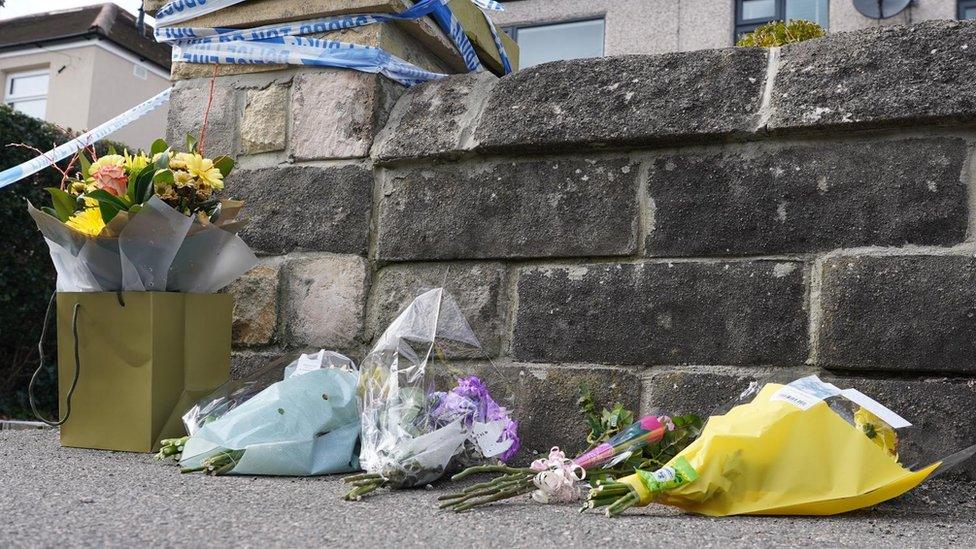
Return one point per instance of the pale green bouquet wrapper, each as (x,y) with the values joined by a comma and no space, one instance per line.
(305,424)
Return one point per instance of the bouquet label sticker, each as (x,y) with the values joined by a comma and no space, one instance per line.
(796,397)
(805,392)
(487,435)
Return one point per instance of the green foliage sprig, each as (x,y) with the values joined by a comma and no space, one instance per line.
(778,33)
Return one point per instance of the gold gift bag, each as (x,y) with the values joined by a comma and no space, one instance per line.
(144,359)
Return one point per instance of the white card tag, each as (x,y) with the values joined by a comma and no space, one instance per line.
(876,408)
(487,435)
(308,363)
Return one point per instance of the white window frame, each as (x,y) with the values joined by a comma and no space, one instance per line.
(10,99)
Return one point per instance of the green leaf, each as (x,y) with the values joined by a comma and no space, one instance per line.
(157,147)
(164,176)
(225,164)
(64,204)
(109,211)
(85,165)
(105,197)
(111,149)
(162,162)
(50,211)
(140,189)
(191,143)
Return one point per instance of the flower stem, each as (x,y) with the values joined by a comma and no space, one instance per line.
(491,469)
(519,490)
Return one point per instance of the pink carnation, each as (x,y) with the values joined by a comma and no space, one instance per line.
(111,178)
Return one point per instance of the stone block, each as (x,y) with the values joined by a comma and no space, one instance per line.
(263,128)
(761,199)
(698,312)
(336,113)
(256,304)
(537,208)
(434,118)
(247,364)
(324,301)
(878,76)
(187,106)
(479,290)
(305,207)
(909,313)
(624,101)
(703,390)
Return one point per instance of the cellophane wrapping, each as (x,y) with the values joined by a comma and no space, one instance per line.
(402,439)
(157,249)
(306,422)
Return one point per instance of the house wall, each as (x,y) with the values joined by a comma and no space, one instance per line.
(69,89)
(115,88)
(90,85)
(658,26)
(665,228)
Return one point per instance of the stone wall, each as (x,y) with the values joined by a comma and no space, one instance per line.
(666,228)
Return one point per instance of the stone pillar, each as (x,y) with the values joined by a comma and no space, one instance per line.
(301,137)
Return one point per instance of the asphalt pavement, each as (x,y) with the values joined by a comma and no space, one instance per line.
(52,496)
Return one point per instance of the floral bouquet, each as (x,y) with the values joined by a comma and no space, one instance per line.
(559,479)
(412,436)
(145,222)
(806,448)
(304,423)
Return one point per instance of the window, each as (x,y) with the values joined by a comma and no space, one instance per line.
(572,40)
(27,92)
(967,9)
(750,14)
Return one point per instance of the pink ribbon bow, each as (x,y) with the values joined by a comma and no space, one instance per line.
(557,478)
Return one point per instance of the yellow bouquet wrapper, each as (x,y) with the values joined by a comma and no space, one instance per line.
(788,453)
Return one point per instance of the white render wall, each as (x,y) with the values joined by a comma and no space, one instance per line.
(90,85)
(658,26)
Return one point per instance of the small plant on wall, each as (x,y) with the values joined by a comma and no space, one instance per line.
(778,33)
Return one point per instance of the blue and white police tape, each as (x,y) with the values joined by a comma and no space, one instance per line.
(185,37)
(298,50)
(293,28)
(12,175)
(181,10)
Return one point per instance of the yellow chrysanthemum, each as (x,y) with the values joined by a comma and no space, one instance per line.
(204,170)
(88,222)
(182,178)
(107,161)
(135,163)
(79,187)
(178,161)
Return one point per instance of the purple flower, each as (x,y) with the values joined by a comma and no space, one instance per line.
(510,433)
(470,402)
(473,388)
(453,406)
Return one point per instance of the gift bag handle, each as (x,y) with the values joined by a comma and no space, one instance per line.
(40,365)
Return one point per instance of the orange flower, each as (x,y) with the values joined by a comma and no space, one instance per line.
(109,174)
